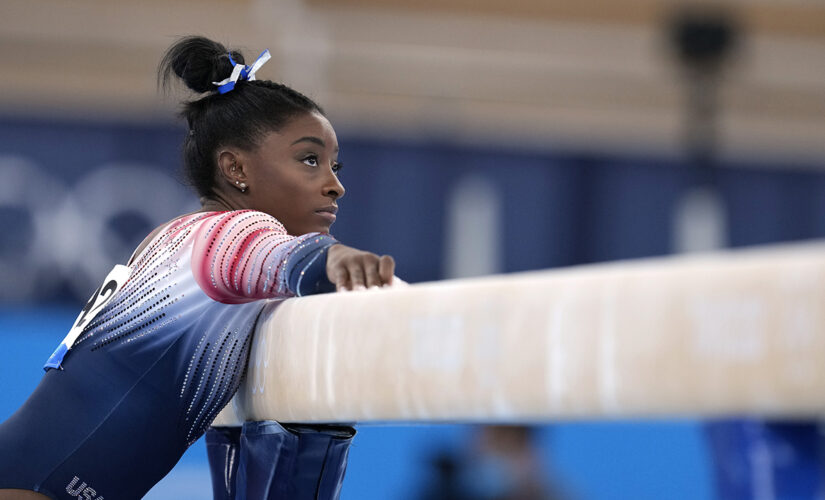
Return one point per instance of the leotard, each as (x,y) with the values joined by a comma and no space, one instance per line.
(152,369)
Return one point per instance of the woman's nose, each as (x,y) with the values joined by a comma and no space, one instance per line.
(334,188)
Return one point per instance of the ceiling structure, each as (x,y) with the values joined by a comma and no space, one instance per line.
(553,74)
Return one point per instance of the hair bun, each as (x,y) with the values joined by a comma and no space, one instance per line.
(198,61)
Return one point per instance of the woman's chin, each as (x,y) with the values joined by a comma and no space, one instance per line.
(310,228)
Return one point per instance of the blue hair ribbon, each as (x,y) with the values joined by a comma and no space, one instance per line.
(241,72)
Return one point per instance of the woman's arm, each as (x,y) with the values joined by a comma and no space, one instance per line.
(247,255)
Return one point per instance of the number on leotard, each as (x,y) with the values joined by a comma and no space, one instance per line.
(111,285)
(86,309)
(100,298)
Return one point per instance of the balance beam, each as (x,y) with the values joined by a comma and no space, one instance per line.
(728,333)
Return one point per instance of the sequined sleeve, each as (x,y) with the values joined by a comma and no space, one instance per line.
(246,255)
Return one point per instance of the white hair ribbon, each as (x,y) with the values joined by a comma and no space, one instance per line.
(241,72)
(249,71)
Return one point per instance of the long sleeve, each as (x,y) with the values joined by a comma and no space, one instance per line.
(246,255)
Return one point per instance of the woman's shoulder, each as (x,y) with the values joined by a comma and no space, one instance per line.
(249,219)
(180,219)
(234,220)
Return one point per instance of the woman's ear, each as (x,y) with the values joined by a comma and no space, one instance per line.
(231,169)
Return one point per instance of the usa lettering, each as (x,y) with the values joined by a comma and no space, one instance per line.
(84,492)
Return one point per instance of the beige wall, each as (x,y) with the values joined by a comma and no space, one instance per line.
(538,73)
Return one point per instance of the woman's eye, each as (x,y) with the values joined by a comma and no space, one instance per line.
(337,167)
(311,160)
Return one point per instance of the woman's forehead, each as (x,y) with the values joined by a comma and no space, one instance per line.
(308,128)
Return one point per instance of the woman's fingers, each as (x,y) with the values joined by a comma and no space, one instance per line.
(386,269)
(340,277)
(372,274)
(356,275)
(378,270)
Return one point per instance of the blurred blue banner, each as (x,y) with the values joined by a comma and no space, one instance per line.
(78,196)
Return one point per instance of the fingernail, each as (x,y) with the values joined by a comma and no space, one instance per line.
(359,288)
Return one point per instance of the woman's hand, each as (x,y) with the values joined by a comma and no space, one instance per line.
(352,269)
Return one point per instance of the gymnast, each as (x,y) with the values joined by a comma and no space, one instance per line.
(162,345)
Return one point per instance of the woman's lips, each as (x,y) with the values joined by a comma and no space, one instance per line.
(328,213)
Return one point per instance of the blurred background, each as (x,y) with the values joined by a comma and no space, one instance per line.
(479,137)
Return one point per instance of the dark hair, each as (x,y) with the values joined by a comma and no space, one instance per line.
(238,118)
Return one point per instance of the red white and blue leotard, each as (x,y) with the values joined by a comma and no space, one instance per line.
(151,371)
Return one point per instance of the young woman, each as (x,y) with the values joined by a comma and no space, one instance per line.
(162,345)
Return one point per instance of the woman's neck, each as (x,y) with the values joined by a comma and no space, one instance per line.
(217,203)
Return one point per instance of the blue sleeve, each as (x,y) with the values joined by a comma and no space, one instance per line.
(307,267)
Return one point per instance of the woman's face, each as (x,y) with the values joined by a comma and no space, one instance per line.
(293,175)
